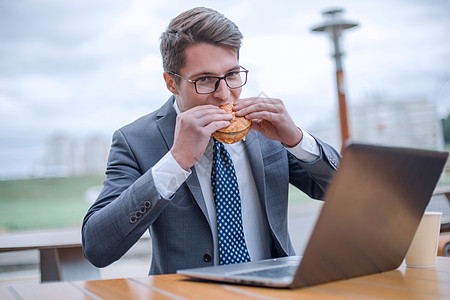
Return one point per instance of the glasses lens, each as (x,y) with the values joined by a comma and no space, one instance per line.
(206,85)
(234,79)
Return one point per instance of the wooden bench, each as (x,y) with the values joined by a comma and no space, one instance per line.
(444,237)
(60,252)
(442,190)
(444,244)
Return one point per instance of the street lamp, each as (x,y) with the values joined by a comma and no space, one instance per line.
(333,25)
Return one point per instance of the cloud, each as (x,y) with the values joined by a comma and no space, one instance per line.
(85,66)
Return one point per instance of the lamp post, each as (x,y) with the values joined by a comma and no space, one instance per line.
(333,25)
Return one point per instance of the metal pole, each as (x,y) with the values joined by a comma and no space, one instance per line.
(342,109)
(334,27)
(340,87)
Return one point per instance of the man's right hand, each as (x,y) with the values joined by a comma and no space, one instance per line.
(193,129)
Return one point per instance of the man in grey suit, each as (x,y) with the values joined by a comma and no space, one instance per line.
(159,167)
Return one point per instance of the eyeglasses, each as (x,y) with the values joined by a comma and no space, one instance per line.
(209,84)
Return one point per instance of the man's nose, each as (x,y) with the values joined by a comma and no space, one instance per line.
(223,91)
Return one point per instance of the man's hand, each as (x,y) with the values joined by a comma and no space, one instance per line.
(193,130)
(270,117)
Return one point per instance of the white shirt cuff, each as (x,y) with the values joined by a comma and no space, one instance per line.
(168,175)
(307,150)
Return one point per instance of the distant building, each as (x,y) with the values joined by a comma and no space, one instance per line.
(397,122)
(59,157)
(410,123)
(66,156)
(95,151)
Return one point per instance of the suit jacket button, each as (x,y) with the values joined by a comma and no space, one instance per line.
(147,204)
(133,220)
(207,257)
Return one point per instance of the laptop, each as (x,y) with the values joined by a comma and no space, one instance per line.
(370,214)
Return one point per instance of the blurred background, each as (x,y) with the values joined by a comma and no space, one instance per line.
(73,71)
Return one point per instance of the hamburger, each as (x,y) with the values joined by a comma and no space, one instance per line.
(238,128)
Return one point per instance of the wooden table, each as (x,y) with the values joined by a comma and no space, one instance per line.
(60,252)
(403,283)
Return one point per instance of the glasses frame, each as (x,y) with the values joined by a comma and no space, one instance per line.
(219,78)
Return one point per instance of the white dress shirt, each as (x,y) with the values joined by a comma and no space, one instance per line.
(169,176)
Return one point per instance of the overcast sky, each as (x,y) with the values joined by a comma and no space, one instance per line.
(90,67)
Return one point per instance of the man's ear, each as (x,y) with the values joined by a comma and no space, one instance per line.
(170,83)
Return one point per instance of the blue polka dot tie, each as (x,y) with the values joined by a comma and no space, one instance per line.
(232,246)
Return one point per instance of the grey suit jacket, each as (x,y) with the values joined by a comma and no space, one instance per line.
(129,203)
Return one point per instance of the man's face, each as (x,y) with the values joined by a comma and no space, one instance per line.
(206,60)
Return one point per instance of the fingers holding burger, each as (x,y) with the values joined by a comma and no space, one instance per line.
(236,131)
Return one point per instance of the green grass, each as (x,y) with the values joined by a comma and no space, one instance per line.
(60,202)
(44,203)
(57,202)
(297,197)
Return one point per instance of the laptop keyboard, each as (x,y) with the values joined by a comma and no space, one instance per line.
(277,272)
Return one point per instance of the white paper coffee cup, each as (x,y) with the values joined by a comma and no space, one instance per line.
(423,249)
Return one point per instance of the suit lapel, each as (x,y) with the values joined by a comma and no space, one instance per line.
(194,186)
(253,148)
(166,124)
(166,121)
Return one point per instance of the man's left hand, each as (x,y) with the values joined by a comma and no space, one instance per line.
(270,117)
